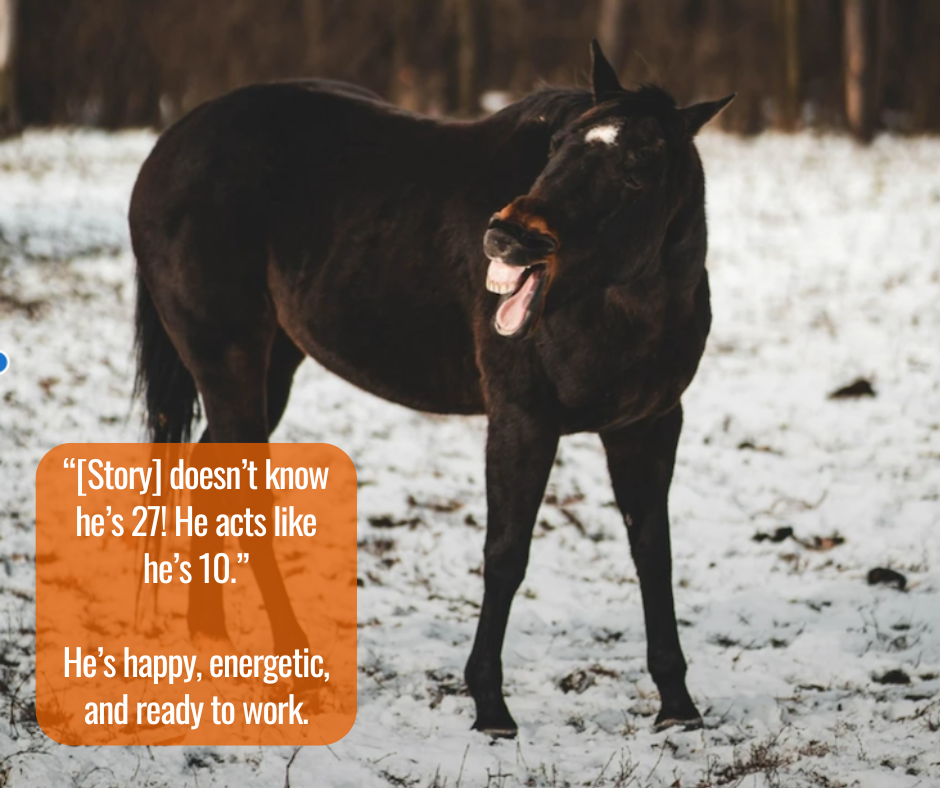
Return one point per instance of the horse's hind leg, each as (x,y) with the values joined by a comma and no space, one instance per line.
(283,360)
(244,378)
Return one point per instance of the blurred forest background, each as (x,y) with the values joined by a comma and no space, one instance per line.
(862,64)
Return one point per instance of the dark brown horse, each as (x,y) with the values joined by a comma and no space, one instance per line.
(544,266)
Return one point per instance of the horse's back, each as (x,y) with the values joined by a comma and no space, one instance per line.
(247,133)
(327,203)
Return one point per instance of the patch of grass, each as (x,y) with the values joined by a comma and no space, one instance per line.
(761,758)
(576,721)
(815,749)
(442,683)
(398,781)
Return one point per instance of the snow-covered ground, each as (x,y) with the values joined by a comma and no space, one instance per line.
(825,265)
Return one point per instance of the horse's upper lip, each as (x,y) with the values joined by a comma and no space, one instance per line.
(529,238)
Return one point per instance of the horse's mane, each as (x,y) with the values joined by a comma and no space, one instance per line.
(556,106)
(649,94)
(559,106)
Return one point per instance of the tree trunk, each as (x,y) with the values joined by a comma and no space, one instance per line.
(859,67)
(9,117)
(467,66)
(790,22)
(610,31)
(312,15)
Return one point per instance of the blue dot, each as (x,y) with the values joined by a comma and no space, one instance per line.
(4,362)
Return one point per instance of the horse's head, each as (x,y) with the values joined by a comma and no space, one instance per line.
(598,213)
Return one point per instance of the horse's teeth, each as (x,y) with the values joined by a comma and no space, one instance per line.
(499,288)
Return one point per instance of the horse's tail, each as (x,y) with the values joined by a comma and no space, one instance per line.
(167,387)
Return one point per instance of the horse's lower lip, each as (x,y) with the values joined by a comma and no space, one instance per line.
(517,311)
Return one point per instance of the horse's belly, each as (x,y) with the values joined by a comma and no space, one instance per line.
(427,364)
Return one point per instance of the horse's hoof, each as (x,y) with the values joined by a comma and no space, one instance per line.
(311,691)
(497,725)
(494,719)
(499,733)
(687,724)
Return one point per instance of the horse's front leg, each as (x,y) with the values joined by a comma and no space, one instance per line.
(641,458)
(520,449)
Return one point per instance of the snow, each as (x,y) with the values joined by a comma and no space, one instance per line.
(825,267)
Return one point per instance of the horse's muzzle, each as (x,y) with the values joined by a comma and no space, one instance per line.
(515,244)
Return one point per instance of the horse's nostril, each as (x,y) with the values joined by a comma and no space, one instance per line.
(497,243)
(549,243)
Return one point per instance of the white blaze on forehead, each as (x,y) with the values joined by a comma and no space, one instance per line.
(606,134)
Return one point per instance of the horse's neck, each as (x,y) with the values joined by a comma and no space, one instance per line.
(512,144)
(555,107)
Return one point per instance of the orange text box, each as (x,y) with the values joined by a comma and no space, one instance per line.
(196,594)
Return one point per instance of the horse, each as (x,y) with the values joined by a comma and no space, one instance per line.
(544,266)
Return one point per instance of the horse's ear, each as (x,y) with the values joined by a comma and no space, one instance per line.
(604,78)
(696,116)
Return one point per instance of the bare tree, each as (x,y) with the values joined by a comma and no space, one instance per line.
(859,67)
(610,30)
(467,65)
(9,120)
(789,20)
(131,62)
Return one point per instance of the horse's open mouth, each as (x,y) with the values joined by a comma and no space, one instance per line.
(521,290)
